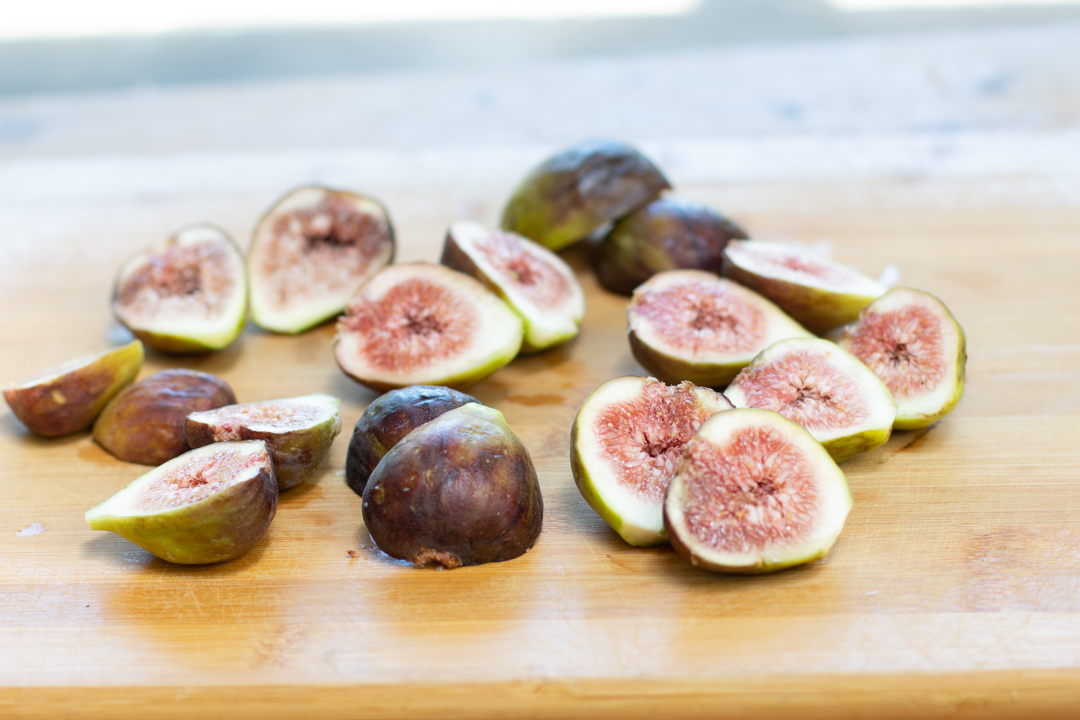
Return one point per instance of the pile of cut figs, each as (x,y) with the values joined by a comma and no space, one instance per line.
(770,363)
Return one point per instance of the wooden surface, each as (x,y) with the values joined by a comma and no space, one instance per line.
(953,590)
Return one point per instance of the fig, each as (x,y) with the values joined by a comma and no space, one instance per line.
(576,191)
(66,398)
(207,506)
(388,419)
(914,344)
(666,234)
(817,292)
(422,324)
(459,490)
(533,281)
(625,444)
(753,493)
(189,295)
(821,387)
(692,325)
(311,252)
(297,431)
(145,423)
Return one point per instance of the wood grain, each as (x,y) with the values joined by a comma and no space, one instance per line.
(954,589)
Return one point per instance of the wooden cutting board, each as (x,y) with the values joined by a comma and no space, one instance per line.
(954,588)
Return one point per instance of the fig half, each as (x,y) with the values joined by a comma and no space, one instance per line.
(388,419)
(423,324)
(754,492)
(459,490)
(823,388)
(625,444)
(297,431)
(311,252)
(666,234)
(534,281)
(819,293)
(188,296)
(576,191)
(692,325)
(914,344)
(66,398)
(206,506)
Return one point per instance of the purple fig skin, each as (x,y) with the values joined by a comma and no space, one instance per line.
(388,419)
(145,423)
(666,234)
(459,490)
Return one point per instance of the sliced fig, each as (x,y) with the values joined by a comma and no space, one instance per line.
(388,419)
(821,387)
(579,189)
(145,423)
(666,234)
(754,492)
(66,398)
(297,431)
(207,506)
(914,344)
(189,295)
(692,325)
(625,444)
(533,281)
(817,292)
(311,252)
(459,490)
(422,324)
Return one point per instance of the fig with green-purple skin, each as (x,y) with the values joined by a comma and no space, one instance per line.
(388,419)
(209,505)
(297,431)
(459,490)
(819,293)
(753,493)
(145,422)
(67,398)
(189,295)
(823,388)
(666,234)
(918,349)
(579,189)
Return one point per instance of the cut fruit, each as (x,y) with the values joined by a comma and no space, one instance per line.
(754,493)
(534,281)
(423,324)
(311,252)
(666,234)
(914,344)
(576,191)
(459,490)
(821,387)
(692,325)
(388,419)
(67,398)
(207,506)
(145,422)
(818,292)
(297,431)
(188,296)
(625,445)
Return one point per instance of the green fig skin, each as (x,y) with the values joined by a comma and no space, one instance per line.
(459,490)
(673,370)
(579,189)
(145,423)
(388,419)
(77,392)
(844,448)
(296,452)
(666,234)
(219,528)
